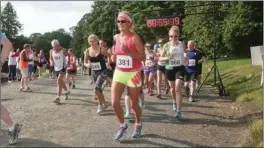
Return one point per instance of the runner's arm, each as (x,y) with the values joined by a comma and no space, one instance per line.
(163,53)
(140,55)
(50,58)
(86,59)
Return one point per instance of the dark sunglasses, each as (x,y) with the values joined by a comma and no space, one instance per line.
(121,21)
(171,36)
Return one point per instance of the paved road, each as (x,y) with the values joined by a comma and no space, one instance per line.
(210,122)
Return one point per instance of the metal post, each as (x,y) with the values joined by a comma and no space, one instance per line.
(214,25)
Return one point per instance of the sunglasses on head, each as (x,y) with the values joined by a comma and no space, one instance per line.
(174,36)
(121,21)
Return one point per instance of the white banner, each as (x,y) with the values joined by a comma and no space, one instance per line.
(256,55)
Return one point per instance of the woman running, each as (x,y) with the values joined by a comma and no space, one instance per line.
(42,61)
(175,67)
(161,71)
(129,52)
(72,69)
(150,68)
(94,59)
(58,60)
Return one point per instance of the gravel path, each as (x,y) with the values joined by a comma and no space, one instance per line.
(211,121)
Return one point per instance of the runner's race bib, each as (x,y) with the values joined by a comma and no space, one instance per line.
(161,63)
(175,62)
(96,66)
(191,62)
(123,61)
(149,63)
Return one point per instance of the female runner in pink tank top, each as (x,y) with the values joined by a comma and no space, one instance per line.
(129,52)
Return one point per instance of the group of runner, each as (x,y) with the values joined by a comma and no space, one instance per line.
(129,66)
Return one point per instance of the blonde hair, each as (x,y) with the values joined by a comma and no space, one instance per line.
(175,29)
(132,23)
(93,37)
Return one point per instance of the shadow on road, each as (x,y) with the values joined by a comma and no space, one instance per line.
(25,142)
(72,94)
(145,141)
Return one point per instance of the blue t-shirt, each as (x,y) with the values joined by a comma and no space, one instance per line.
(2,36)
(194,57)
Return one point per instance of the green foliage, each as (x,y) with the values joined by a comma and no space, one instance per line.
(10,24)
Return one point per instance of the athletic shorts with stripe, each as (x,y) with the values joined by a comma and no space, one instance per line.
(126,91)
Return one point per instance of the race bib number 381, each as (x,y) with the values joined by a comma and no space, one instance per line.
(123,61)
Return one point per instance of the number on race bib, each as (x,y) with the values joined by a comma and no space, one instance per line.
(96,66)
(191,62)
(175,62)
(124,61)
(149,63)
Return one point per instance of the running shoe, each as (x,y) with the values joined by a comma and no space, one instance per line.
(159,96)
(178,115)
(120,132)
(100,109)
(174,107)
(141,104)
(137,131)
(128,116)
(191,99)
(57,100)
(14,134)
(73,86)
(67,95)
(21,89)
(28,90)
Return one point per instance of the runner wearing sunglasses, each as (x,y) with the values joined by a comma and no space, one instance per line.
(129,53)
(173,52)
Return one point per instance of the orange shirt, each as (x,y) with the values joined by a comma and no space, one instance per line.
(23,64)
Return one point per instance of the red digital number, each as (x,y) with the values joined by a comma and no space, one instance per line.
(160,22)
(154,23)
(176,21)
(149,23)
(165,22)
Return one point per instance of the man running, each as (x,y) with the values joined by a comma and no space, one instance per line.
(58,60)
(199,65)
(192,69)
(24,59)
(13,129)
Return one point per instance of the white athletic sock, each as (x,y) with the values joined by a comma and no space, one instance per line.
(123,124)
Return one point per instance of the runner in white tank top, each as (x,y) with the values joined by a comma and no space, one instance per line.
(58,60)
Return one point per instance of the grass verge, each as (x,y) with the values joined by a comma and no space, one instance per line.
(242,81)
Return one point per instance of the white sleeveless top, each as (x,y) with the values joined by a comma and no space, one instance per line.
(59,60)
(177,53)
(149,60)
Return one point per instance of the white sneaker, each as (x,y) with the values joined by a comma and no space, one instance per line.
(9,81)
(100,109)
(190,99)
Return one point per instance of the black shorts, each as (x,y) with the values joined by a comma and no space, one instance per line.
(60,72)
(161,68)
(126,91)
(190,76)
(175,73)
(72,72)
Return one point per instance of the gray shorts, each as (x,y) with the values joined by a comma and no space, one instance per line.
(99,78)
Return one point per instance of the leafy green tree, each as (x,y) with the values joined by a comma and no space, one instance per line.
(10,24)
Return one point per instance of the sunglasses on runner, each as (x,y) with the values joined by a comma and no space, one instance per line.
(121,21)
(176,36)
